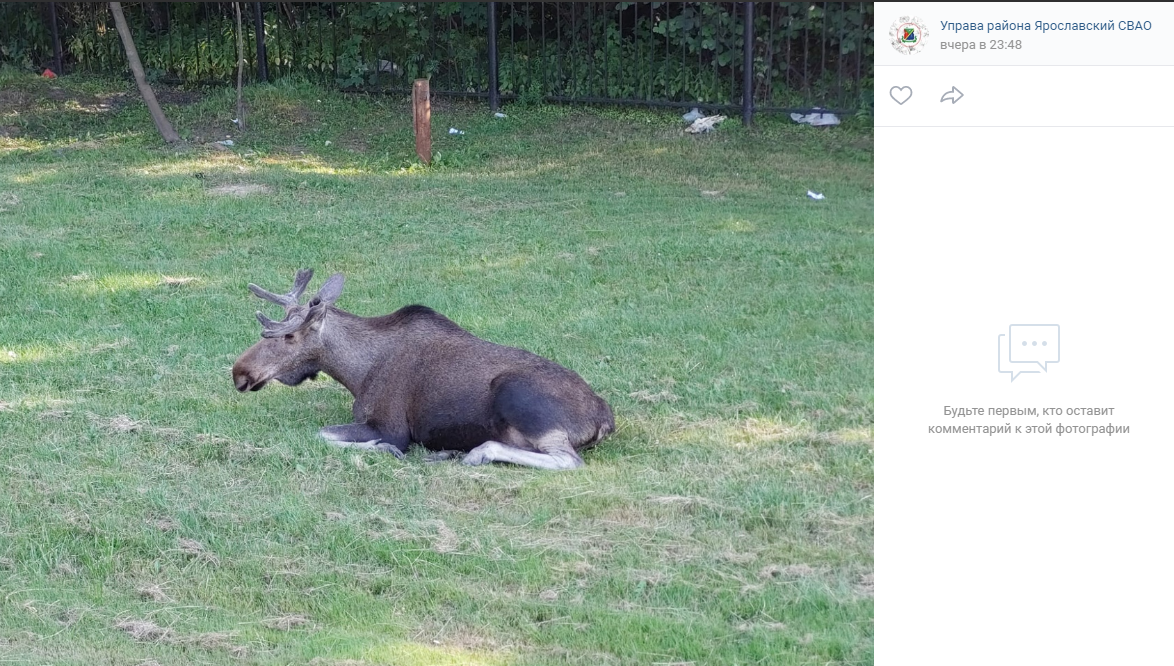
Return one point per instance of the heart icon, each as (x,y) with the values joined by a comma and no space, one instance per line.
(900,94)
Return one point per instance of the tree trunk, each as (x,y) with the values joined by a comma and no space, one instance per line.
(136,67)
(240,69)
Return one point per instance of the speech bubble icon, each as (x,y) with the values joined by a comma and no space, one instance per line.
(1013,369)
(1034,343)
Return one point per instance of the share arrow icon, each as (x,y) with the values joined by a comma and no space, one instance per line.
(954,95)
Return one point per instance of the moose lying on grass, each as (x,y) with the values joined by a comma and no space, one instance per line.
(418,377)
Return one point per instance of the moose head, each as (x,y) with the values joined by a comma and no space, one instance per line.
(290,350)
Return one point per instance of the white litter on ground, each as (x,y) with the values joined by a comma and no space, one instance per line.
(815,195)
(702,125)
(499,114)
(817,118)
(453,130)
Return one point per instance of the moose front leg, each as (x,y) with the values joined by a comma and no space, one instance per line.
(365,438)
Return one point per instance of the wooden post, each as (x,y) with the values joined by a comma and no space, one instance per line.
(422,119)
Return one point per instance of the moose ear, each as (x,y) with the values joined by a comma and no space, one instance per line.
(330,291)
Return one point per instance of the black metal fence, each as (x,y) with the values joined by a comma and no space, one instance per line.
(800,55)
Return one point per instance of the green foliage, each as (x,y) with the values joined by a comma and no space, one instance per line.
(25,37)
(804,53)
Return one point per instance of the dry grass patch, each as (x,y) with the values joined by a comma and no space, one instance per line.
(865,585)
(146,631)
(176,281)
(163,524)
(120,424)
(240,190)
(153,592)
(646,395)
(196,550)
(8,201)
(287,622)
(755,626)
(789,571)
(446,539)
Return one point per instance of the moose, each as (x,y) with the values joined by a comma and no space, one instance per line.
(418,377)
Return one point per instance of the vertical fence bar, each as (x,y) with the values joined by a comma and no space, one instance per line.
(511,25)
(494,97)
(320,63)
(575,55)
(545,64)
(620,44)
(823,45)
(770,56)
(170,66)
(560,87)
(259,29)
(859,53)
(651,50)
(840,56)
(56,39)
(748,63)
(334,42)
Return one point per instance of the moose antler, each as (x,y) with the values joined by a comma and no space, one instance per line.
(290,300)
(276,329)
(295,315)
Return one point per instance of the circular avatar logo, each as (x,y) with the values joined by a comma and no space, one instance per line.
(907,35)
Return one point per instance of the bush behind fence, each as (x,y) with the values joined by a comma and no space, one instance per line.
(804,54)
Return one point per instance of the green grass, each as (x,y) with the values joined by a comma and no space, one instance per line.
(726,318)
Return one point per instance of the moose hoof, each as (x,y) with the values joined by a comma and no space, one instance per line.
(480,455)
(388,448)
(475,458)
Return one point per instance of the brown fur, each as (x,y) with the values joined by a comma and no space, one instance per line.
(419,377)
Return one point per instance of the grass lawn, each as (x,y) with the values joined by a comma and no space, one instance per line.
(150,514)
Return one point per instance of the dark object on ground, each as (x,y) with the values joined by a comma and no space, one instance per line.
(419,377)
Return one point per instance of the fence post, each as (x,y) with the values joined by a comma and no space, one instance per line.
(262,56)
(494,100)
(422,119)
(747,63)
(56,40)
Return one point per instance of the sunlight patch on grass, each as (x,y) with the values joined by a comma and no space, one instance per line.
(40,352)
(738,225)
(753,433)
(410,654)
(182,167)
(34,402)
(27,354)
(33,176)
(316,165)
(20,144)
(513,262)
(85,284)
(240,190)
